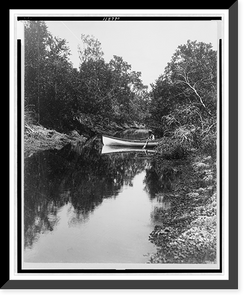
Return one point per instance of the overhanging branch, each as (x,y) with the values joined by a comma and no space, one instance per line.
(192,87)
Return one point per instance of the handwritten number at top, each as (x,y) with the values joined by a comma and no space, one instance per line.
(111,18)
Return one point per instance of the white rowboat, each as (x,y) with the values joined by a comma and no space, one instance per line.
(114,141)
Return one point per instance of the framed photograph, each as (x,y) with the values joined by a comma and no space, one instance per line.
(123,149)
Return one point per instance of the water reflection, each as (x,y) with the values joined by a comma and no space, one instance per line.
(118,149)
(84,203)
(68,185)
(161,179)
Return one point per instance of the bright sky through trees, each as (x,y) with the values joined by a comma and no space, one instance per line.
(147,45)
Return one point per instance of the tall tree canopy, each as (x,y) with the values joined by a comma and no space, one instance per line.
(193,69)
(48,76)
(182,102)
(184,99)
(58,94)
(110,90)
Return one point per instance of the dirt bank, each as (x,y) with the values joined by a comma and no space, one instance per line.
(38,138)
(187,222)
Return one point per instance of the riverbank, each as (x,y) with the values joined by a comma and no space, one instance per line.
(188,220)
(39,138)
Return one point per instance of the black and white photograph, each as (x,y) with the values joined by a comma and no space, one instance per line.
(120,142)
(122,145)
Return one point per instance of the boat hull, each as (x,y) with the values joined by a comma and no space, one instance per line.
(112,141)
(122,149)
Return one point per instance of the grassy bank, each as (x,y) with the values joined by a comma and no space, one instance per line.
(38,138)
(187,221)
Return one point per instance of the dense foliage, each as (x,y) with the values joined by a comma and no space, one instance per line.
(183,99)
(107,96)
(64,98)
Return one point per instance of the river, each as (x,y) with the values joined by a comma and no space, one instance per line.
(88,205)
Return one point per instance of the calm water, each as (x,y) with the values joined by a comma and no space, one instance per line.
(85,206)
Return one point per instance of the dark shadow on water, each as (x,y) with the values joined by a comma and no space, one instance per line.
(76,174)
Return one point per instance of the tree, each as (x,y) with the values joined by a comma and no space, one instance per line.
(49,77)
(35,52)
(193,68)
(129,95)
(184,99)
(111,91)
(90,50)
(94,87)
(58,80)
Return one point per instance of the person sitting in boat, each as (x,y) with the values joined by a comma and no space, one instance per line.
(151,137)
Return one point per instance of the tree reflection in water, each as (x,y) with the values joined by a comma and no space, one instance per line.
(159,178)
(77,175)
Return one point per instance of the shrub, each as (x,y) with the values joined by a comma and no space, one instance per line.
(171,148)
(208,145)
(29,116)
